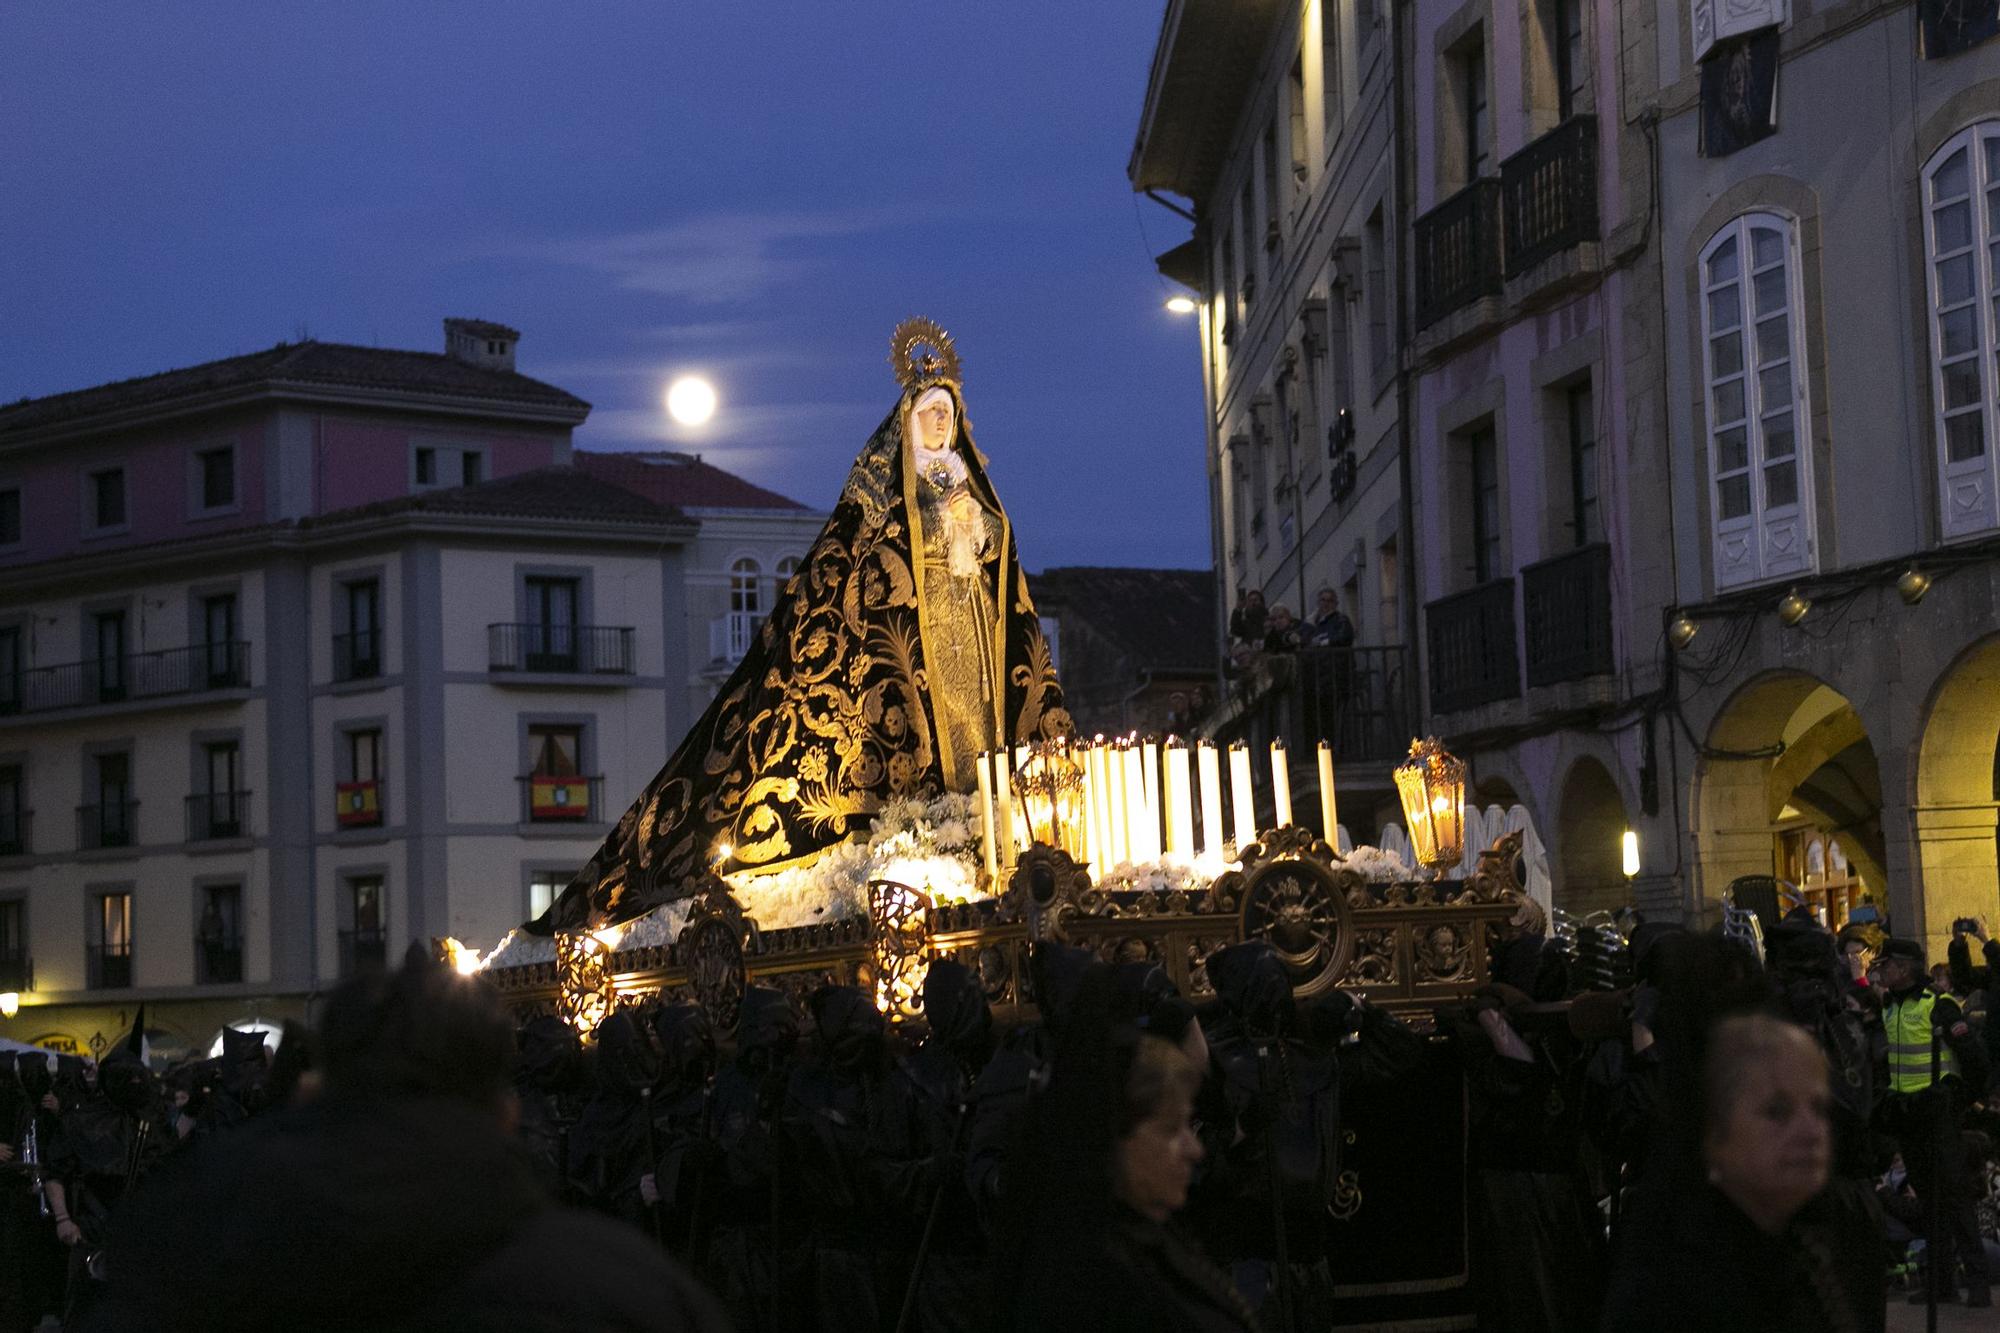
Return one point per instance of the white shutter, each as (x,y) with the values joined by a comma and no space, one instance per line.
(1717,19)
(1962,219)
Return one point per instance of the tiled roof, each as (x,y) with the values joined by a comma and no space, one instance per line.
(1161,618)
(682,481)
(550,493)
(385,368)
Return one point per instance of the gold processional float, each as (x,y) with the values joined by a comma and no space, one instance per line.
(889,778)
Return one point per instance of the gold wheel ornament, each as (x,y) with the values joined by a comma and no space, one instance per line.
(921,353)
(1291,895)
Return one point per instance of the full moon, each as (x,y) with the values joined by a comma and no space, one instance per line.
(691,400)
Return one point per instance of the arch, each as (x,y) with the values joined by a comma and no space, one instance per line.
(1954,812)
(1761,814)
(1591,818)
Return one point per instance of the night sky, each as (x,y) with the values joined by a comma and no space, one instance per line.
(755,192)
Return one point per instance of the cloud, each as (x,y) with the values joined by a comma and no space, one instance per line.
(715,259)
(778,427)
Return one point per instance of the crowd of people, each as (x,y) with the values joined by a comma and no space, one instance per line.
(1256,630)
(1727,1142)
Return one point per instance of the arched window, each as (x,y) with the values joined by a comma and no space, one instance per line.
(1962,220)
(746,586)
(786,568)
(1754,370)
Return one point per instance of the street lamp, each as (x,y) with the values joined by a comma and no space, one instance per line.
(1629,847)
(1431,783)
(10,1004)
(1181,305)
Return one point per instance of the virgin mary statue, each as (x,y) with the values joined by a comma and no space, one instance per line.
(903,647)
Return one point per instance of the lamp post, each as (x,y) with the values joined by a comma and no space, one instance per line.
(1431,784)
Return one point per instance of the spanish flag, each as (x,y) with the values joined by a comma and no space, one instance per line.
(358,803)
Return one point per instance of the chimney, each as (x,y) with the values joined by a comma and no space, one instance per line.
(480,342)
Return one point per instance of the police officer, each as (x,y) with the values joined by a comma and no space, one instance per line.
(1936,1064)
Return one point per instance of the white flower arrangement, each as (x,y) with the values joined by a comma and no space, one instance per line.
(1379,866)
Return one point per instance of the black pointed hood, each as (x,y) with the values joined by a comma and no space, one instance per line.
(955,1006)
(1253,985)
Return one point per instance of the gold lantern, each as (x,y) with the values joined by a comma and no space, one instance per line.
(1048,790)
(584,993)
(1431,784)
(901,916)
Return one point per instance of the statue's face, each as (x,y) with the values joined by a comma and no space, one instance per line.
(933,422)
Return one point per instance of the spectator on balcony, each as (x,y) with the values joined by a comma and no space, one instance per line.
(1281,634)
(1248,621)
(1330,626)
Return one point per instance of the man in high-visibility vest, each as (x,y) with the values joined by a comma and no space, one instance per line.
(1936,1063)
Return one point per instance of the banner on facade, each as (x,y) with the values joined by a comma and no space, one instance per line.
(1739,93)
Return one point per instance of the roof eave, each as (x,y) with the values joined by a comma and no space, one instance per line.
(1203,67)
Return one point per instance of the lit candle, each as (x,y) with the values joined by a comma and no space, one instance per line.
(1329,816)
(1150,765)
(1135,806)
(1281,784)
(1180,801)
(1241,797)
(1210,764)
(986,819)
(1003,796)
(1114,803)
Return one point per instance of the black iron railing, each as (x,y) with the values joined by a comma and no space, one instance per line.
(589,650)
(1472,646)
(1457,251)
(218,814)
(1566,614)
(357,656)
(363,949)
(1549,193)
(218,961)
(205,666)
(14,825)
(17,972)
(108,966)
(107,824)
(1360,701)
(561,800)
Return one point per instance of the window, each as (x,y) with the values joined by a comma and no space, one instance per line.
(108,665)
(219,807)
(107,498)
(1329,64)
(1260,484)
(357,654)
(11,667)
(1247,207)
(218,935)
(557,787)
(1478,126)
(219,643)
(471,468)
(1581,440)
(109,822)
(1760,480)
(1230,307)
(1570,58)
(10,515)
(1483,458)
(110,947)
(1274,196)
(364,755)
(557,750)
(1388,594)
(786,567)
(1962,216)
(364,938)
(746,587)
(13,814)
(552,624)
(544,887)
(427,467)
(218,477)
(1376,282)
(13,944)
(1296,139)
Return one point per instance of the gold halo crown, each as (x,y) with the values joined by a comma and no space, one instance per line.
(922,354)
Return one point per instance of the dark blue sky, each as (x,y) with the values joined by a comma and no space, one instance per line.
(756,192)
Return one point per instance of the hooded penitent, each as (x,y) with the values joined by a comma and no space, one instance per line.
(956,1009)
(1254,987)
(123,1077)
(905,645)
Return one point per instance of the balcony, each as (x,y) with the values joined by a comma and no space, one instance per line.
(563,650)
(108,824)
(1457,256)
(357,656)
(731,634)
(359,804)
(213,816)
(363,949)
(1566,607)
(1549,194)
(138,676)
(17,971)
(108,966)
(561,800)
(218,961)
(1474,660)
(1358,700)
(14,826)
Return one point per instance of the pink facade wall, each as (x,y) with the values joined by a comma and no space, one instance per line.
(364,459)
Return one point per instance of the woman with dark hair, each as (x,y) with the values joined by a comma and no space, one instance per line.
(1105,1158)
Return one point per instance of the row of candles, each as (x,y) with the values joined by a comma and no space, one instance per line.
(1133,799)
